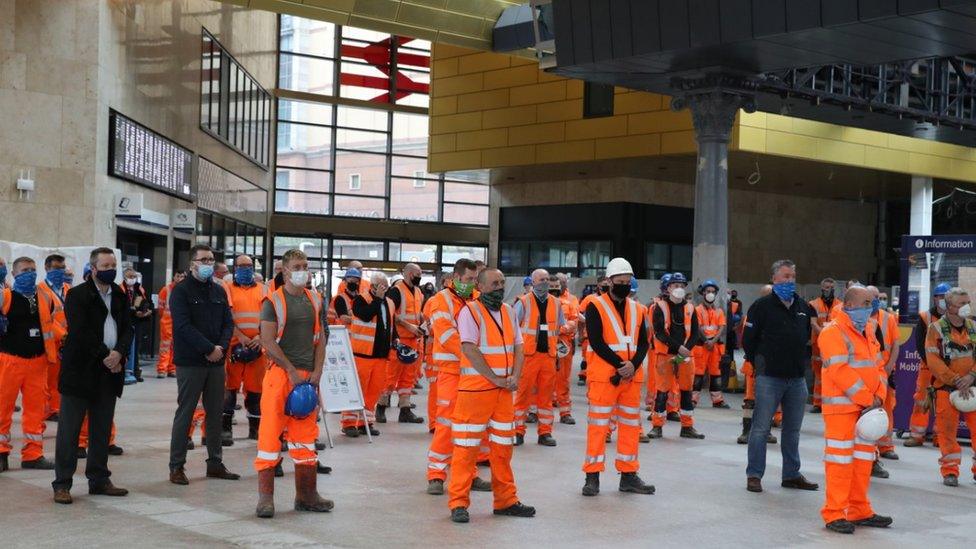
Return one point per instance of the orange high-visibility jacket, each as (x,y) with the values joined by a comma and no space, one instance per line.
(590,298)
(60,321)
(649,320)
(411,304)
(571,311)
(332,315)
(245,307)
(888,322)
(949,362)
(364,287)
(660,347)
(49,329)
(530,324)
(497,347)
(824,315)
(710,320)
(362,334)
(277,299)
(165,316)
(851,374)
(620,337)
(444,308)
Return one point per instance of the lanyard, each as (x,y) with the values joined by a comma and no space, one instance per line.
(502,334)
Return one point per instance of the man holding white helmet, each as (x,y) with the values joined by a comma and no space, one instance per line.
(950,350)
(854,386)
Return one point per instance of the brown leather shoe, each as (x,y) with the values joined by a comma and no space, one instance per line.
(179,477)
(108,489)
(219,470)
(62,496)
(754,484)
(799,483)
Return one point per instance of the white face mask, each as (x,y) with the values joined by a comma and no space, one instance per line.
(678,295)
(941,304)
(131,281)
(965,311)
(710,297)
(299,278)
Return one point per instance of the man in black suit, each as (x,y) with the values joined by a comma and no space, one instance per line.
(98,340)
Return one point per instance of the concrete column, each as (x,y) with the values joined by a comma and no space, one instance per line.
(921,225)
(713,113)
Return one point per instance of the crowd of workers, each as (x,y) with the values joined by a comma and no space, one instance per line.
(493,368)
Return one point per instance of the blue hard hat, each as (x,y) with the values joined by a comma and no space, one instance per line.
(665,280)
(527,281)
(406,354)
(86,271)
(302,401)
(240,353)
(634,286)
(941,289)
(707,283)
(353,272)
(678,277)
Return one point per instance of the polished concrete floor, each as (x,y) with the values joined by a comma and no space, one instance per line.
(380,500)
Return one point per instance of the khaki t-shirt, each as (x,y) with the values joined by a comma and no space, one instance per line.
(297,339)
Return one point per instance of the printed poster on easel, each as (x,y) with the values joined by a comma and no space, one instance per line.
(339,385)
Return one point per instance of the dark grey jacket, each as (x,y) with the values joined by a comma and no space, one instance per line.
(201,320)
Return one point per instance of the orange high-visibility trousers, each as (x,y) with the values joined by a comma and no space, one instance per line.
(708,361)
(300,434)
(372,379)
(249,374)
(83,436)
(816,364)
(651,376)
(164,364)
(847,467)
(887,443)
(199,420)
(584,348)
(947,425)
(400,377)
(28,377)
(475,414)
(561,394)
(684,380)
(535,387)
(53,395)
(918,425)
(430,371)
(442,443)
(622,403)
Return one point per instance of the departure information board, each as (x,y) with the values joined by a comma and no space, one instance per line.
(142,156)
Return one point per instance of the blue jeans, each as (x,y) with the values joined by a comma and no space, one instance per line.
(130,365)
(771,392)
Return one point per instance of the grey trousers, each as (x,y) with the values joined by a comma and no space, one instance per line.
(191,384)
(101,410)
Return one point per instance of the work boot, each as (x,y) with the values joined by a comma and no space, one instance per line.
(567,420)
(265,508)
(890,454)
(519,439)
(253,425)
(690,432)
(4,462)
(642,438)
(516,510)
(878,471)
(581,382)
(799,483)
(746,426)
(380,413)
(322,469)
(114,450)
(874,521)
(306,495)
(62,496)
(547,440)
(178,476)
(435,487)
(279,471)
(630,482)
(673,416)
(656,432)
(171,374)
(53,417)
(480,485)
(319,446)
(82,453)
(460,514)
(754,484)
(841,526)
(372,430)
(951,480)
(41,463)
(351,432)
(532,417)
(817,410)
(189,444)
(407,416)
(107,489)
(721,404)
(219,470)
(161,375)
(592,485)
(913,442)
(227,431)
(770,439)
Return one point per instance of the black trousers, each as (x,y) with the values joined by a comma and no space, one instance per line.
(192,384)
(100,409)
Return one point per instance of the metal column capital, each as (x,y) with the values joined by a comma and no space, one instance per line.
(713,111)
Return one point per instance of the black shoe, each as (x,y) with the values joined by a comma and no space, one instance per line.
(279,471)
(567,420)
(690,432)
(519,439)
(219,470)
(227,430)
(41,463)
(114,450)
(380,413)
(178,477)
(16,408)
(516,510)
(351,432)
(319,446)
(547,440)
(656,432)
(140,379)
(878,470)
(673,416)
(4,462)
(82,453)
(592,485)
(723,405)
(322,469)
(460,514)
(53,417)
(480,485)
(372,430)
(874,521)
(253,425)
(189,444)
(818,410)
(160,376)
(171,375)
(890,454)
(407,416)
(581,382)
(841,526)
(951,480)
(532,417)
(799,483)
(630,482)
(108,489)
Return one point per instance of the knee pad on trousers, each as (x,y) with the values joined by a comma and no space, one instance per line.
(686,402)
(661,402)
(230,402)
(715,384)
(698,382)
(252,403)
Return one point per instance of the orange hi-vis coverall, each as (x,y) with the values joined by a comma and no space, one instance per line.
(617,401)
(918,425)
(370,369)
(300,434)
(667,373)
(851,381)
(27,375)
(825,314)
(564,366)
(538,378)
(711,322)
(245,306)
(164,364)
(651,395)
(401,377)
(61,330)
(887,324)
(951,354)
(483,407)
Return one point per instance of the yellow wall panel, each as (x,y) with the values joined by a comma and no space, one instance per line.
(574,89)
(467,83)
(443,143)
(881,158)
(538,133)
(538,93)
(621,147)
(484,61)
(482,139)
(510,116)
(444,162)
(570,151)
(608,126)
(628,103)
(788,144)
(839,152)
(750,138)
(679,143)
(444,105)
(508,156)
(659,122)
(482,101)
(455,123)
(560,110)
(444,68)
(509,78)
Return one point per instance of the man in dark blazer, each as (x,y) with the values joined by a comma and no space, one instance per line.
(94,353)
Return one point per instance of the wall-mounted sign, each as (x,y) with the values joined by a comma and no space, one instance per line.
(184,219)
(147,158)
(128,205)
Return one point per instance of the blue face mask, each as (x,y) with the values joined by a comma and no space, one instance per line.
(205,272)
(244,276)
(859,317)
(784,290)
(55,278)
(875,305)
(26,283)
(3,274)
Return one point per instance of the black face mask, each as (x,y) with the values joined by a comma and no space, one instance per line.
(352,286)
(555,292)
(492,299)
(415,281)
(620,291)
(605,289)
(735,296)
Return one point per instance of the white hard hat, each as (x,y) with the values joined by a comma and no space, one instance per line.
(619,266)
(963,404)
(872,425)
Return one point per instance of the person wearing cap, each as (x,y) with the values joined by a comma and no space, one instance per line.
(923,409)
(363,282)
(340,310)
(708,355)
(618,347)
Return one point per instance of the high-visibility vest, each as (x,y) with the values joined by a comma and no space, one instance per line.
(888,322)
(571,310)
(951,353)
(851,375)
(444,309)
(585,304)
(60,321)
(662,348)
(332,315)
(364,287)
(165,315)
(362,333)
(45,311)
(530,324)
(411,303)
(245,307)
(497,347)
(710,320)
(620,337)
(277,299)
(824,315)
